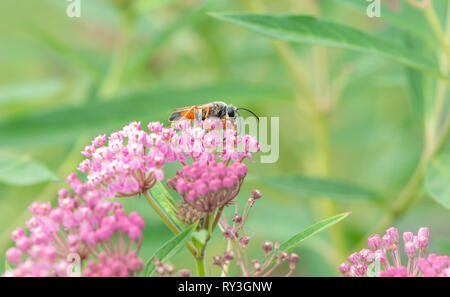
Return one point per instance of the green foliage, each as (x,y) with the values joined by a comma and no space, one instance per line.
(21,171)
(169,249)
(173,53)
(313,187)
(65,123)
(309,29)
(166,201)
(318,227)
(438,179)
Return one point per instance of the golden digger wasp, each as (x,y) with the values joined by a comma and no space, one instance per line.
(217,109)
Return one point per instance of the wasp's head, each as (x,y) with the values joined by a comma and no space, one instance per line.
(231,111)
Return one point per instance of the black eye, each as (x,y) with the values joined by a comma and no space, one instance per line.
(230,112)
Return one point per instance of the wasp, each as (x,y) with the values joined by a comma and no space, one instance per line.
(217,109)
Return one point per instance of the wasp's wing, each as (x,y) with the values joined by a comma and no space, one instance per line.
(187,112)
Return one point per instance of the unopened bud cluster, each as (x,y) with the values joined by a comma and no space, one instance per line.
(384,254)
(169,270)
(188,214)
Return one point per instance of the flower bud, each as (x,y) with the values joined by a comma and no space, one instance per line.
(228,256)
(344,268)
(354,258)
(217,260)
(244,240)
(393,233)
(374,242)
(410,249)
(184,273)
(257,265)
(408,236)
(267,247)
(293,259)
(256,194)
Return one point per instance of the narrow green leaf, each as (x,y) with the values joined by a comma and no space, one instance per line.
(24,171)
(312,30)
(305,186)
(294,241)
(166,201)
(437,179)
(401,17)
(7,266)
(66,123)
(169,249)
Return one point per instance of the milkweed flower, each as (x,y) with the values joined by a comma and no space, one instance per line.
(97,231)
(130,161)
(212,140)
(207,187)
(383,258)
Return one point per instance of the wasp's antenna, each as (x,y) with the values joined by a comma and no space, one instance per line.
(249,112)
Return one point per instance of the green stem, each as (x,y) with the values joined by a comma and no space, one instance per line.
(433,142)
(402,203)
(201,266)
(434,22)
(159,211)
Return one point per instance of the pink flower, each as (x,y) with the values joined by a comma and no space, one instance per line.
(130,161)
(384,257)
(85,224)
(207,187)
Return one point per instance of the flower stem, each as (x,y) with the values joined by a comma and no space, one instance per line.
(166,219)
(434,22)
(201,266)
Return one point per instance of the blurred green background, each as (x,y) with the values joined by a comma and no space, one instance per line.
(64,80)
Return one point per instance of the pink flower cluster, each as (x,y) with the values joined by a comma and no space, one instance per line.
(383,258)
(212,140)
(130,161)
(207,187)
(95,230)
(127,163)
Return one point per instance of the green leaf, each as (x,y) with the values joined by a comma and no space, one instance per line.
(169,249)
(437,179)
(200,236)
(312,30)
(7,266)
(66,123)
(294,241)
(28,91)
(166,201)
(24,171)
(305,186)
(400,17)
